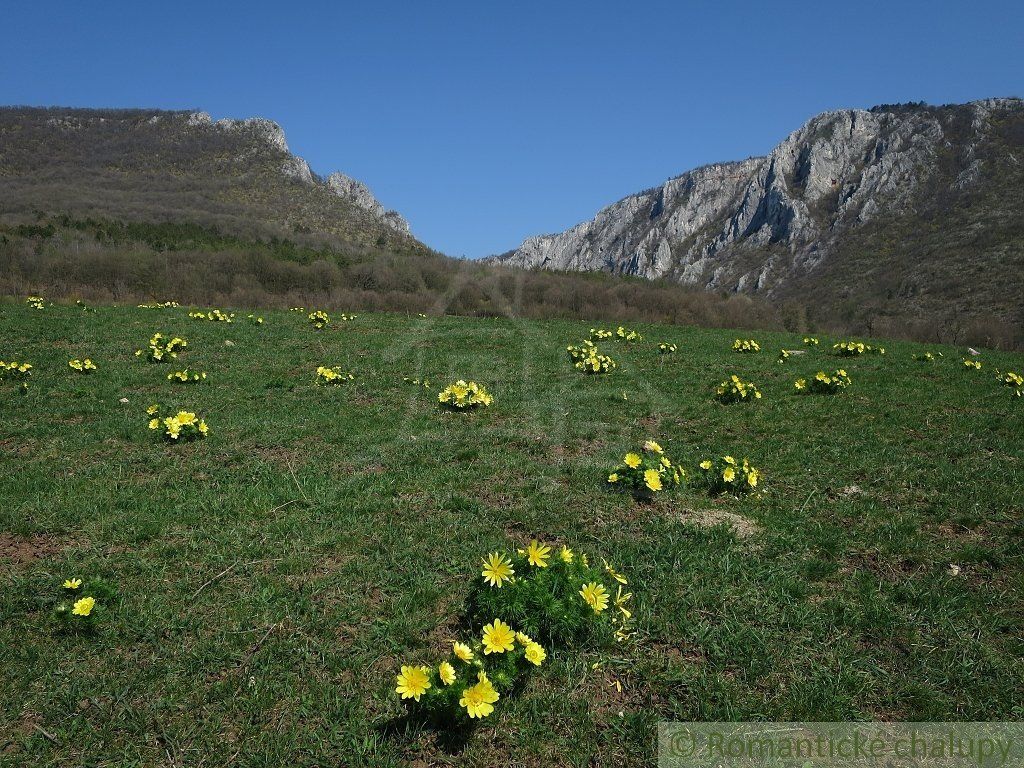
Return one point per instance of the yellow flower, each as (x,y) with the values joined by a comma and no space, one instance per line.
(729,460)
(446,672)
(752,478)
(538,554)
(595,595)
(566,554)
(620,602)
(705,465)
(153,409)
(652,479)
(613,477)
(413,682)
(632,460)
(462,651)
(497,569)
(479,699)
(498,637)
(154,423)
(729,474)
(72,584)
(535,654)
(84,606)
(652,446)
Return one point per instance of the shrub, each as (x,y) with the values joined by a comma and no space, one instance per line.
(586,358)
(647,472)
(734,390)
(464,395)
(725,475)
(823,384)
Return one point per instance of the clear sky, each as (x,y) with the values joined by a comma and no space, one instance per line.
(484,123)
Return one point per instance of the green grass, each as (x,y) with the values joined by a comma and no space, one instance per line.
(353,519)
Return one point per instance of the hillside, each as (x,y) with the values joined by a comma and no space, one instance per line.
(899,218)
(262,587)
(160,166)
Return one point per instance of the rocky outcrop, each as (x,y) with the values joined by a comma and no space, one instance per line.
(758,224)
(359,194)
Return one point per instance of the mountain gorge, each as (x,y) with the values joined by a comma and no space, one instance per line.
(901,214)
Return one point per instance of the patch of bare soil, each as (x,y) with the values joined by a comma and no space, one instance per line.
(742,527)
(22,550)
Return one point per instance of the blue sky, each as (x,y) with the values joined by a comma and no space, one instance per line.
(484,123)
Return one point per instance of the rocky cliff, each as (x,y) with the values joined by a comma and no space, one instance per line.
(892,190)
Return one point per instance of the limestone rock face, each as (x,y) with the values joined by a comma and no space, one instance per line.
(359,194)
(752,225)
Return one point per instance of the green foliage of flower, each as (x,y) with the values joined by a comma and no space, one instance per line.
(746,346)
(181,427)
(162,350)
(82,366)
(735,390)
(331,376)
(464,395)
(588,359)
(81,604)
(726,475)
(523,603)
(647,471)
(553,594)
(187,376)
(823,383)
(16,371)
(417,382)
(667,349)
(855,349)
(319,319)
(214,316)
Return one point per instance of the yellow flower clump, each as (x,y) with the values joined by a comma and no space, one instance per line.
(745,345)
(586,358)
(464,395)
(734,390)
(182,426)
(82,366)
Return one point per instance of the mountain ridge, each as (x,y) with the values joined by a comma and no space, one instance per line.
(774,224)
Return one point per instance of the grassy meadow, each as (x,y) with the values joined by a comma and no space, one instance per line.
(269,581)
